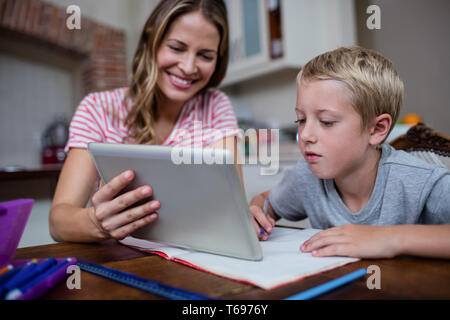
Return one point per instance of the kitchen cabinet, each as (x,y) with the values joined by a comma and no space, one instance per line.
(307,27)
(248,36)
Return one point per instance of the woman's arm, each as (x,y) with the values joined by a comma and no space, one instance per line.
(108,217)
(69,219)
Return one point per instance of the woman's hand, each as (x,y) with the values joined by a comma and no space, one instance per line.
(109,214)
(353,241)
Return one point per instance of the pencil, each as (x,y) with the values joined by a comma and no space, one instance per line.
(266,207)
(328,286)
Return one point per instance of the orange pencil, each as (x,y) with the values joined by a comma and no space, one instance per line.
(6,268)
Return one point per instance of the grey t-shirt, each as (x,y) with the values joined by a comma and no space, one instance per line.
(407,190)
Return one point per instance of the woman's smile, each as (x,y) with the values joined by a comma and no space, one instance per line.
(179,82)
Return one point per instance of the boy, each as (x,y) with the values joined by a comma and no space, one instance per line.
(369,195)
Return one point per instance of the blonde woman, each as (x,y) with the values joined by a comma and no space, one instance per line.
(181,56)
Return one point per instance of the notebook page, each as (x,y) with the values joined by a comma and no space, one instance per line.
(283,262)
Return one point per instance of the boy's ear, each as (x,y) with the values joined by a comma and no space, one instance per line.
(380,129)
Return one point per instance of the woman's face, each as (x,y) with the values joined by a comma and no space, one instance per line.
(187,57)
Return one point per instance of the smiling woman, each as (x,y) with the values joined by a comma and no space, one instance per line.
(183,50)
(186,59)
(181,56)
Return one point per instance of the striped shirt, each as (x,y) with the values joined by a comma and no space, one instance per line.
(204,119)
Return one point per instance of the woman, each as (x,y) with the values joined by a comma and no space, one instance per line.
(181,55)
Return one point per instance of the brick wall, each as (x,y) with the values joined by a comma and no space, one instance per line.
(101,48)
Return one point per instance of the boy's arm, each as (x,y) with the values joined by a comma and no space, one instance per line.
(360,241)
(431,241)
(258,201)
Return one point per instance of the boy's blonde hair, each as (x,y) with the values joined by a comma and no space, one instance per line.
(374,84)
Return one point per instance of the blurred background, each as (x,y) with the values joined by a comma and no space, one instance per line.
(47,67)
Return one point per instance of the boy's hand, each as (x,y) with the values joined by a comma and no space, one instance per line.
(260,220)
(352,240)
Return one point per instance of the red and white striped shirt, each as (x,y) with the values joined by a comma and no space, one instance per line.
(204,119)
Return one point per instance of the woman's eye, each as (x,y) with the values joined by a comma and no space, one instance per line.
(327,123)
(208,58)
(300,121)
(177,49)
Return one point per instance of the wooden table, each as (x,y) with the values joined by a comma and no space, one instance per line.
(401,278)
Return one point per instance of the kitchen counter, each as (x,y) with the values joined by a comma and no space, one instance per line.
(48,171)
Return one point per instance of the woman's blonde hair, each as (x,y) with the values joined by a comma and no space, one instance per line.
(374,84)
(143,93)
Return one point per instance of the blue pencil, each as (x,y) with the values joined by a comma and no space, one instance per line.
(265,210)
(328,286)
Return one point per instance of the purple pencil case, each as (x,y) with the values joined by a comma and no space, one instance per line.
(13,218)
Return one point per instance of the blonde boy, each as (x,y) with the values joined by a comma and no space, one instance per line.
(367,195)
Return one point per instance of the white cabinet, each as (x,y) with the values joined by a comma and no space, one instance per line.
(248,35)
(308,27)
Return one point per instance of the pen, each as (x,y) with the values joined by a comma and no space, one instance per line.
(6,269)
(20,277)
(328,286)
(35,288)
(31,274)
(266,207)
(28,274)
(8,275)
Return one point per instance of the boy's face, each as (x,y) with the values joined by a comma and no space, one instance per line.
(329,129)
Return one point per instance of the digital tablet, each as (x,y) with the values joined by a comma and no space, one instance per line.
(203,204)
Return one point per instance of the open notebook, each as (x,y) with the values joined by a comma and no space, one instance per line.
(282,263)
